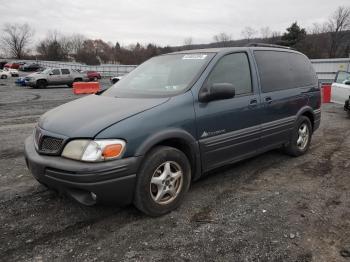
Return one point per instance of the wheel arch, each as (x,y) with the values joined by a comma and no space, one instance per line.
(309,113)
(178,139)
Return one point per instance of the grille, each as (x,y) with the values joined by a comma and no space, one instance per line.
(50,145)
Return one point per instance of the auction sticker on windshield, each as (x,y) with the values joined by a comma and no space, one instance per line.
(194,56)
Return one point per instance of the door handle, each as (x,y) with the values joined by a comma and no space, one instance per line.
(253,102)
(268,99)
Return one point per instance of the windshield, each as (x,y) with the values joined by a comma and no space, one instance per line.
(342,77)
(46,71)
(164,75)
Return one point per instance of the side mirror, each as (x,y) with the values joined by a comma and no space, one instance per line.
(50,73)
(217,91)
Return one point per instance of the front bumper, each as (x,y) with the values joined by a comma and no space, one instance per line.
(111,182)
(30,83)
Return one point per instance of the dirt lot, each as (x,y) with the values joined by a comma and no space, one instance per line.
(269,208)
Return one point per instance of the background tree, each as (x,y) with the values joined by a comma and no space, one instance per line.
(54,47)
(16,38)
(265,32)
(337,24)
(222,39)
(248,33)
(188,41)
(294,36)
(77,41)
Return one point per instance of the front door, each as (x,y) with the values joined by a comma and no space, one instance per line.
(55,77)
(229,130)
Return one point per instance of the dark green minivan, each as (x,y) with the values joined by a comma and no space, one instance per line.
(171,120)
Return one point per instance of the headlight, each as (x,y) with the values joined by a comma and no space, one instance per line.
(94,150)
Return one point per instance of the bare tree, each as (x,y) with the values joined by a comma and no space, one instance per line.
(77,42)
(248,33)
(337,24)
(223,39)
(265,32)
(318,28)
(16,38)
(188,41)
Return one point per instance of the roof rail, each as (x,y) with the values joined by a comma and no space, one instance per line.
(269,45)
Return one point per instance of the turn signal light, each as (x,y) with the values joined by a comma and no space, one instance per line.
(112,151)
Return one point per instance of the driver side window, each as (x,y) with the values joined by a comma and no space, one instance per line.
(233,69)
(55,72)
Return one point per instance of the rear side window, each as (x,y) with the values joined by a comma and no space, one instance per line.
(233,69)
(65,71)
(283,70)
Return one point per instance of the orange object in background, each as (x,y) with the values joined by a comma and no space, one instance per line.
(86,87)
(326,93)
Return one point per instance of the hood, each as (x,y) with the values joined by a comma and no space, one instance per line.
(35,74)
(86,117)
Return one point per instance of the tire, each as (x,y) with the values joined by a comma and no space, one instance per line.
(300,138)
(3,76)
(75,80)
(41,84)
(156,167)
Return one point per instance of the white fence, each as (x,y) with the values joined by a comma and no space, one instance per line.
(106,70)
(326,69)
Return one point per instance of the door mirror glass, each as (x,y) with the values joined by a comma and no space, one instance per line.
(217,91)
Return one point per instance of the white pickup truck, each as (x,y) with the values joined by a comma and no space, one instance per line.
(54,76)
(341,90)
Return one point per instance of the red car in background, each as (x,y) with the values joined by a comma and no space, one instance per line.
(12,65)
(92,75)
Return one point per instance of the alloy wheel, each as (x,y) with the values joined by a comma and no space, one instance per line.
(166,182)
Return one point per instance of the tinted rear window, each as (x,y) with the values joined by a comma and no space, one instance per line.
(65,71)
(283,70)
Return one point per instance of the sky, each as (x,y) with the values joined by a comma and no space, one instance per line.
(163,22)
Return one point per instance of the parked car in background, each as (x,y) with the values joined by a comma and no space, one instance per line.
(2,63)
(20,81)
(30,67)
(173,119)
(5,74)
(115,79)
(54,76)
(341,89)
(12,65)
(13,72)
(91,75)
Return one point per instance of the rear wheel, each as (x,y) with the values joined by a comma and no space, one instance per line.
(300,138)
(162,182)
(75,80)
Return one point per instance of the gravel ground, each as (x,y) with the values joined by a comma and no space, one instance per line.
(268,208)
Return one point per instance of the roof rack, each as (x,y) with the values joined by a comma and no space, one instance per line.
(268,45)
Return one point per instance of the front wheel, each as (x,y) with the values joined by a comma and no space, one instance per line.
(3,76)
(162,182)
(300,137)
(41,84)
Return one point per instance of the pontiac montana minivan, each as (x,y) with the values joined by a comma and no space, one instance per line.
(171,120)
